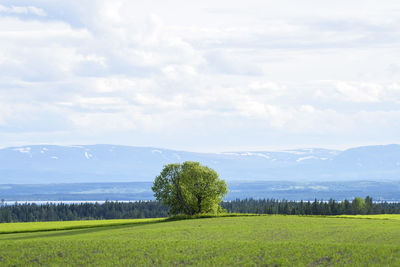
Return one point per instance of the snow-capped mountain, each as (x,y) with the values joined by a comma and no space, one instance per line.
(111,163)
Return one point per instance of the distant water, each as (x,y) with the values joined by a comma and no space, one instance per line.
(136,191)
(62,202)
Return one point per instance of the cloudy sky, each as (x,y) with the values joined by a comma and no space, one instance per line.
(200,75)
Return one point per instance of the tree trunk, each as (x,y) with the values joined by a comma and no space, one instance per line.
(179,194)
(199,204)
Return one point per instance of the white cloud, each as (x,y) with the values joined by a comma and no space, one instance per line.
(22,10)
(169,73)
(360,93)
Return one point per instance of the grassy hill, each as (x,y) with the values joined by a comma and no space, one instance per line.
(247,241)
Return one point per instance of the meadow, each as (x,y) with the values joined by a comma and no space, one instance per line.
(270,240)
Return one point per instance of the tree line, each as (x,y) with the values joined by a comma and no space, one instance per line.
(153,209)
(273,206)
(81,211)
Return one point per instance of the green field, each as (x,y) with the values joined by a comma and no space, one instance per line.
(248,241)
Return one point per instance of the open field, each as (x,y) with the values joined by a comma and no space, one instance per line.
(7,228)
(252,240)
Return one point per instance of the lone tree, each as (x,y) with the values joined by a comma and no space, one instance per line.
(189,188)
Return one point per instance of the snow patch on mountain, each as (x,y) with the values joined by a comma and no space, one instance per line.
(87,155)
(296,152)
(255,154)
(25,150)
(228,154)
(75,146)
(306,158)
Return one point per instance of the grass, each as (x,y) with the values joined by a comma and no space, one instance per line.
(223,241)
(374,217)
(9,228)
(26,227)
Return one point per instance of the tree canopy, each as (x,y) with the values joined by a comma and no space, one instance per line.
(189,188)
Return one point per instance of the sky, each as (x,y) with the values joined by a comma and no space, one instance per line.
(200,75)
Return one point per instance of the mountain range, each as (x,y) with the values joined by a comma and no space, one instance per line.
(41,164)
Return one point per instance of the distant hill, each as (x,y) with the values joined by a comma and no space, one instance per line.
(111,163)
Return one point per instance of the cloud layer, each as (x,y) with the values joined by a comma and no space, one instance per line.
(203,76)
